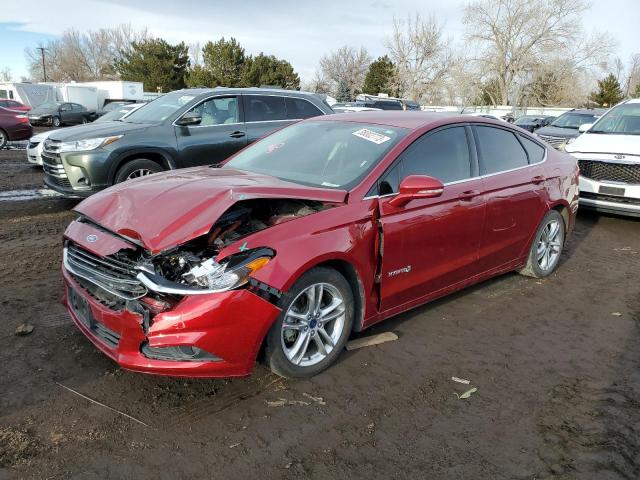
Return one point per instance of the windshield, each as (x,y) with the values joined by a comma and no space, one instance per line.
(114,114)
(321,154)
(160,109)
(49,105)
(573,120)
(623,119)
(522,120)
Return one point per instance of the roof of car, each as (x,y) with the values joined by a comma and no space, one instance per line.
(400,118)
(588,111)
(266,91)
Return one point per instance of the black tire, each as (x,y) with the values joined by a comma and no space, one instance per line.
(3,139)
(536,267)
(274,351)
(140,164)
(85,120)
(55,121)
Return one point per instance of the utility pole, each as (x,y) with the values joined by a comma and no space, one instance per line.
(44,69)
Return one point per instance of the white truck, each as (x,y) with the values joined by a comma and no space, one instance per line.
(30,94)
(117,91)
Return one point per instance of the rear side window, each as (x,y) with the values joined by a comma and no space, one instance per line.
(535,151)
(500,150)
(443,155)
(300,108)
(261,108)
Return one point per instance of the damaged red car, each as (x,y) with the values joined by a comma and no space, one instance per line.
(323,228)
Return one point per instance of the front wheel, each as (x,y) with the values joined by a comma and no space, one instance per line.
(85,120)
(314,326)
(546,247)
(55,121)
(140,167)
(3,139)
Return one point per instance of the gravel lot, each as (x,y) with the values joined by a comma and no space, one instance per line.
(555,363)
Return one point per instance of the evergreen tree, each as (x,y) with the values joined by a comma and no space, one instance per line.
(155,63)
(224,63)
(609,92)
(379,77)
(269,70)
(637,92)
(343,94)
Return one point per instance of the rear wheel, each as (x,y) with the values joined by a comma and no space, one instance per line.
(314,326)
(85,120)
(3,139)
(546,247)
(140,167)
(55,121)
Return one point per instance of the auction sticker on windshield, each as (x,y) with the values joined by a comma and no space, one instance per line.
(372,136)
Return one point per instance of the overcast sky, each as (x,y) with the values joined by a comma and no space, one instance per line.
(297,30)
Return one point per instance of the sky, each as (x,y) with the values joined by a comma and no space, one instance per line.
(300,31)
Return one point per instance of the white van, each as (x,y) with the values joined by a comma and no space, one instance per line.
(608,154)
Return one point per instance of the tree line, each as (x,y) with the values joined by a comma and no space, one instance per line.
(513,52)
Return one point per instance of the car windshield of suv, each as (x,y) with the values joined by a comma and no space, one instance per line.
(321,154)
(114,115)
(622,120)
(573,120)
(159,109)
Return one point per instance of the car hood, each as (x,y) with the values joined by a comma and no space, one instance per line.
(41,137)
(42,111)
(606,144)
(558,132)
(168,209)
(96,130)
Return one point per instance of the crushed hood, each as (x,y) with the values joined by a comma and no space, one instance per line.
(169,209)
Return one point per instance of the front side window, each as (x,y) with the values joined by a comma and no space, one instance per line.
(262,108)
(622,120)
(443,155)
(218,111)
(300,108)
(500,150)
(329,154)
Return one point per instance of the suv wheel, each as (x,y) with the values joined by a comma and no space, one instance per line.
(140,167)
(55,121)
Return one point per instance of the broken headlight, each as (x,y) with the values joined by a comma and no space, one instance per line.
(185,273)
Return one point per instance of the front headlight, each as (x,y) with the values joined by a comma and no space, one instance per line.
(219,277)
(88,144)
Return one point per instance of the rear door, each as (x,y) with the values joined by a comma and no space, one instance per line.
(66,113)
(219,135)
(264,114)
(514,191)
(431,244)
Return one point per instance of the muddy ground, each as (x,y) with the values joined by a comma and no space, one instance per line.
(555,363)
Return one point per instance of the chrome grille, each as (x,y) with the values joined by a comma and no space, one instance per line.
(610,171)
(115,273)
(554,141)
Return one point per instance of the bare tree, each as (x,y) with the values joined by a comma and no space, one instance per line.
(6,75)
(344,70)
(513,36)
(195,54)
(422,57)
(86,56)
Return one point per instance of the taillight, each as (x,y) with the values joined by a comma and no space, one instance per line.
(22,118)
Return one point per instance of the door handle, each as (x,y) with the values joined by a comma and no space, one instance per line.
(538,179)
(237,134)
(468,195)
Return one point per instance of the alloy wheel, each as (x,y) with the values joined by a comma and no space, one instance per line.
(549,245)
(141,172)
(313,324)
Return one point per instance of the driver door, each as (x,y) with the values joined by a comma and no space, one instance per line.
(66,114)
(220,134)
(432,244)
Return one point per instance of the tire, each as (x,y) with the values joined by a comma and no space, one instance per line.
(140,167)
(55,121)
(295,352)
(546,248)
(3,139)
(85,120)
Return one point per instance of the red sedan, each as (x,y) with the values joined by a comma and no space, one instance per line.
(323,228)
(14,126)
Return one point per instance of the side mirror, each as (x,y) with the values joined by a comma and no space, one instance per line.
(415,187)
(190,118)
(584,127)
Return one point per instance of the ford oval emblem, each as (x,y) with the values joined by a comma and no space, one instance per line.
(92,238)
(619,157)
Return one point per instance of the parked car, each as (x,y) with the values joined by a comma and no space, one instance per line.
(36,143)
(566,126)
(190,273)
(13,105)
(381,104)
(56,114)
(390,102)
(109,107)
(180,129)
(484,115)
(608,154)
(352,109)
(14,126)
(533,122)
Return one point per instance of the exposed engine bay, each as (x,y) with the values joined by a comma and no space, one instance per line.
(194,263)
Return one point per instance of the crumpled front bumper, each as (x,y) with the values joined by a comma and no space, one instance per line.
(230,325)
